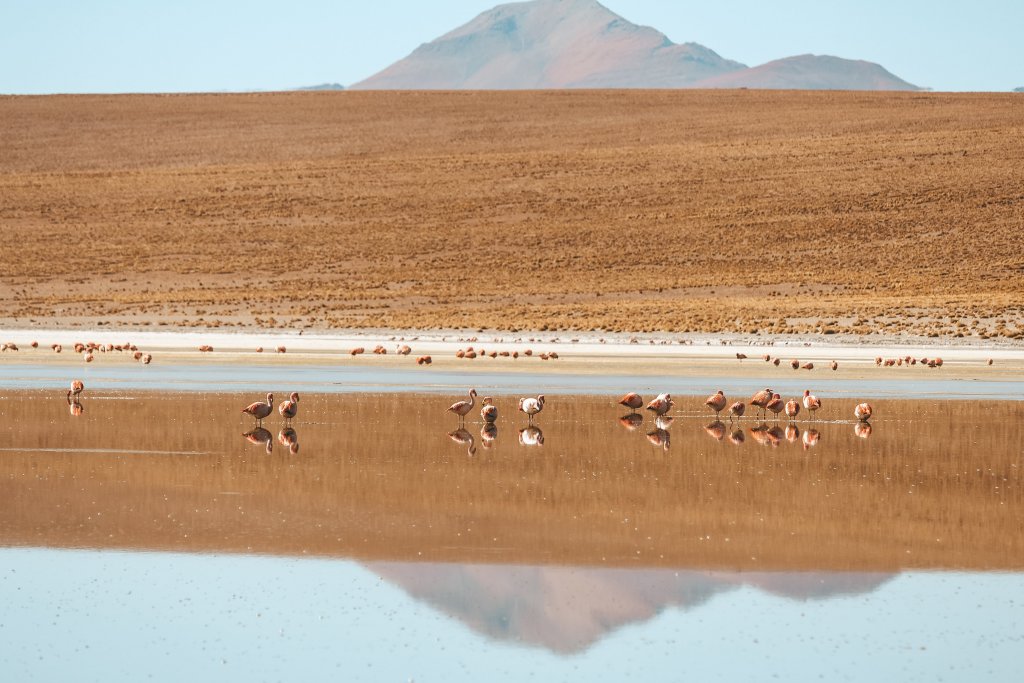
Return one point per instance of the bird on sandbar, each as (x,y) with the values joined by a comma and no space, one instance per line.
(462,408)
(260,409)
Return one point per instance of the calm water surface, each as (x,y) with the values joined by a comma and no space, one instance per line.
(161,536)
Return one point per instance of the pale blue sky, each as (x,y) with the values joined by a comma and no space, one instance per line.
(49,46)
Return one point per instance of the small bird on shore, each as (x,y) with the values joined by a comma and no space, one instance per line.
(632,400)
(716,402)
(289,408)
(260,409)
(811,402)
(531,406)
(489,412)
(76,388)
(462,408)
(661,404)
(862,412)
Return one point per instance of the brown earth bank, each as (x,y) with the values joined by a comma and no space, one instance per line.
(696,211)
(377,477)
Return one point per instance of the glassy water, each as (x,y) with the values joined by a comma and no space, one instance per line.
(165,536)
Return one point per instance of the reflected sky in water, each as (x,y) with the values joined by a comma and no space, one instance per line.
(166,535)
(86,615)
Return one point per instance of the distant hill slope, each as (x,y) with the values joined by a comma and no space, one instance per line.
(582,44)
(323,86)
(811,72)
(551,44)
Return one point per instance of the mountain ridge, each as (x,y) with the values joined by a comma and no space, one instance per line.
(552,44)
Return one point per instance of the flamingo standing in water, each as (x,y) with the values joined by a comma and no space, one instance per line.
(462,408)
(661,404)
(531,406)
(490,411)
(737,409)
(775,405)
(632,400)
(811,402)
(792,409)
(289,408)
(259,409)
(761,398)
(716,402)
(76,388)
(862,412)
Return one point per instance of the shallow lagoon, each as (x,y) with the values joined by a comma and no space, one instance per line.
(148,535)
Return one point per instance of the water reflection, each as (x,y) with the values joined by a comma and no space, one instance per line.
(260,437)
(102,479)
(462,437)
(792,433)
(289,438)
(531,436)
(632,421)
(862,429)
(75,406)
(660,438)
(716,430)
(488,435)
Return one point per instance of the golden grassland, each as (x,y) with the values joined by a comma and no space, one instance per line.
(936,485)
(776,212)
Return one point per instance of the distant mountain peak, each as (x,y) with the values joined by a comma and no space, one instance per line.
(551,44)
(544,44)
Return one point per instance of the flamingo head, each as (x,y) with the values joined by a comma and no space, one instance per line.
(270,399)
(294,397)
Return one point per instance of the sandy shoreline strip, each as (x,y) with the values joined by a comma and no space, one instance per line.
(322,362)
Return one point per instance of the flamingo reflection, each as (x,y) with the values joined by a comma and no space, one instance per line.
(660,439)
(737,437)
(811,438)
(531,436)
(716,430)
(632,421)
(488,433)
(259,437)
(75,406)
(760,434)
(663,422)
(775,435)
(862,429)
(463,437)
(288,438)
(792,433)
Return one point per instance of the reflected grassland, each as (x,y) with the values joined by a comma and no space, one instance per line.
(393,477)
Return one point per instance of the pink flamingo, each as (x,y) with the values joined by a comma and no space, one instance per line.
(489,412)
(289,408)
(661,404)
(259,409)
(632,400)
(862,412)
(462,408)
(76,388)
(775,405)
(531,406)
(792,409)
(811,402)
(761,398)
(716,402)
(737,409)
